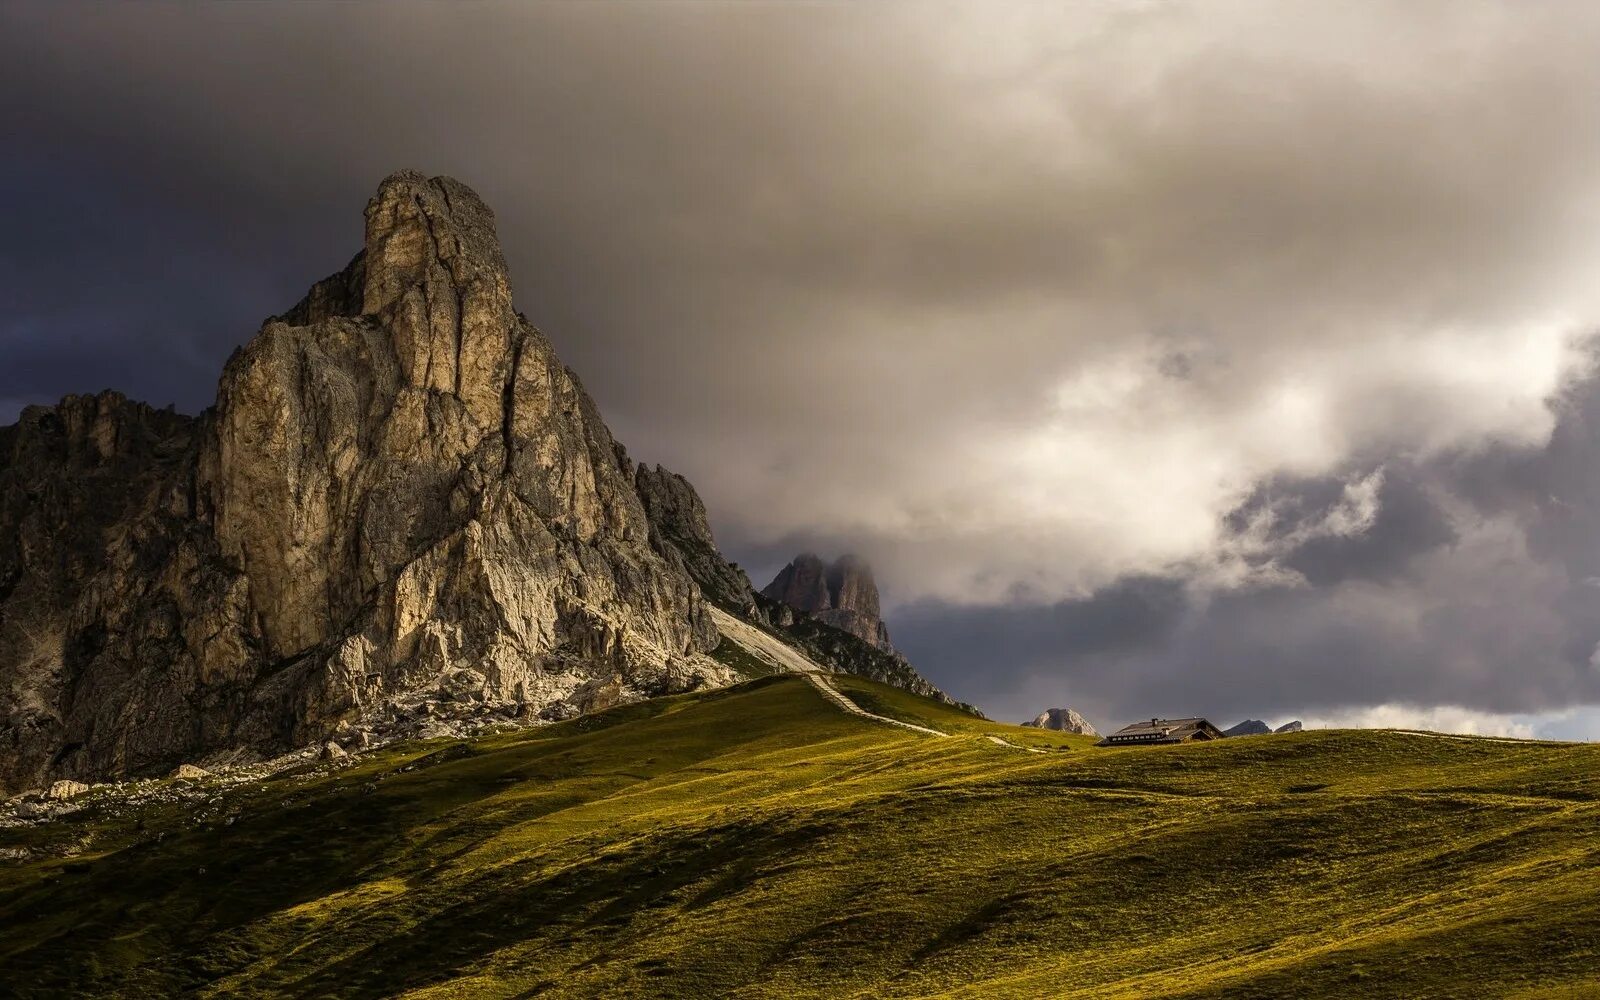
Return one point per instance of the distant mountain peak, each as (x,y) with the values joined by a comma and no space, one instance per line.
(1249,727)
(1063,720)
(842,594)
(1255,727)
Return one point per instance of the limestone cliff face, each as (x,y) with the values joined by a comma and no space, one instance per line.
(399,483)
(119,623)
(842,594)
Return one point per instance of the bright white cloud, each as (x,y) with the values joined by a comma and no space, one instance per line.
(1432,719)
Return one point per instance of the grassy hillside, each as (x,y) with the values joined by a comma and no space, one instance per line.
(897,703)
(758,842)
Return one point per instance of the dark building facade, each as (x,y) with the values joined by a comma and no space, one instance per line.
(1162,731)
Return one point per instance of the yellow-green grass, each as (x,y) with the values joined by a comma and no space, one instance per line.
(758,842)
(897,703)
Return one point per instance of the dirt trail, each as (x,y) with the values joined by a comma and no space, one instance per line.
(786,659)
(1002,741)
(834,695)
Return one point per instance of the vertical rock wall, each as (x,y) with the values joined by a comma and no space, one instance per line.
(400,486)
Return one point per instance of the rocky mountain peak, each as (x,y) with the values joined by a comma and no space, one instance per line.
(400,486)
(851,586)
(1255,727)
(1249,727)
(436,279)
(802,585)
(1062,720)
(842,594)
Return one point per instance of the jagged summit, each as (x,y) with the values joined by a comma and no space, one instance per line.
(1255,727)
(1062,720)
(400,490)
(842,594)
(1249,727)
(682,530)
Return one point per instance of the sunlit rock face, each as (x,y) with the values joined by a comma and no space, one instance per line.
(1062,720)
(400,488)
(841,594)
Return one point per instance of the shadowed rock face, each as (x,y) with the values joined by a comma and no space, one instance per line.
(400,483)
(681,530)
(1290,727)
(803,585)
(1249,727)
(842,595)
(1062,720)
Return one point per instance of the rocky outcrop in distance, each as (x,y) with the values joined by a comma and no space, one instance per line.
(1249,727)
(841,594)
(1255,727)
(1062,720)
(832,612)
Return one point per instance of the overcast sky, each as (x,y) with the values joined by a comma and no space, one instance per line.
(1163,357)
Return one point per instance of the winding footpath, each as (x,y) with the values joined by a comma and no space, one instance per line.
(834,695)
(1002,741)
(786,659)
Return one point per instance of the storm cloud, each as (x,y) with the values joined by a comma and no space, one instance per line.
(1459,590)
(1232,356)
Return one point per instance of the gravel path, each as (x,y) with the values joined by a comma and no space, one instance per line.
(834,695)
(787,659)
(1471,737)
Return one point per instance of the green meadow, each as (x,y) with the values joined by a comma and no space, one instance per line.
(757,842)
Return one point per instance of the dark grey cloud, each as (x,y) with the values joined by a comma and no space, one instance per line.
(1473,582)
(1406,521)
(1023,303)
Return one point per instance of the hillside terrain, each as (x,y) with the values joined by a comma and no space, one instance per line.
(757,841)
